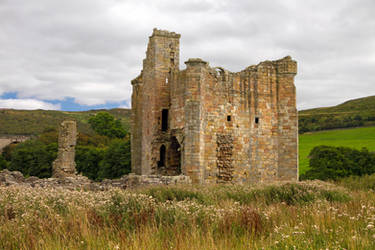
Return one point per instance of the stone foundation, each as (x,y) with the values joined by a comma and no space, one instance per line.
(15,178)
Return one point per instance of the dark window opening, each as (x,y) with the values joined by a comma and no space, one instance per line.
(256,120)
(164,120)
(161,162)
(172,60)
(229,118)
(174,158)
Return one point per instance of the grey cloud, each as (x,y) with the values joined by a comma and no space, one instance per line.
(90,49)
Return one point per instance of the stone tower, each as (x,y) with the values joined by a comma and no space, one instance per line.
(64,165)
(211,124)
(151,95)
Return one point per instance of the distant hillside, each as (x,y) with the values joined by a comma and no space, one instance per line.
(353,113)
(33,122)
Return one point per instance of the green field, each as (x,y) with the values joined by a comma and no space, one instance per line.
(355,138)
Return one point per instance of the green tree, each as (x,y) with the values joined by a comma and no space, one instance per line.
(328,162)
(33,158)
(7,151)
(104,123)
(88,159)
(3,163)
(49,135)
(116,162)
(95,140)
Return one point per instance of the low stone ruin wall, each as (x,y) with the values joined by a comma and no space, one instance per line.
(11,178)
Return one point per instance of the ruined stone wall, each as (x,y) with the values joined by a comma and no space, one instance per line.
(243,106)
(222,126)
(12,139)
(65,165)
(193,130)
(136,125)
(226,128)
(160,68)
(288,120)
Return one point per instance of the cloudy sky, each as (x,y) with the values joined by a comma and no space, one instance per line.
(82,54)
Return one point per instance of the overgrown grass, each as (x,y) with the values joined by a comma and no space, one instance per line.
(354,138)
(291,194)
(308,215)
(365,183)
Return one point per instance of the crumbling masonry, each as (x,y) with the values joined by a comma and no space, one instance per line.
(64,165)
(211,124)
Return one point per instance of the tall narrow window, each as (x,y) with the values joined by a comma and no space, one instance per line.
(172,57)
(161,162)
(164,120)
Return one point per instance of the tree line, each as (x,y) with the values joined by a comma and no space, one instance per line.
(319,122)
(106,154)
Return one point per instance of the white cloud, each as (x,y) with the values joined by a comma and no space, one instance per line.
(90,50)
(27,104)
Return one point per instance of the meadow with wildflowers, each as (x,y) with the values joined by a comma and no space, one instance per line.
(303,215)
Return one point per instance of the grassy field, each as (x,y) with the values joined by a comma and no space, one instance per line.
(355,138)
(305,215)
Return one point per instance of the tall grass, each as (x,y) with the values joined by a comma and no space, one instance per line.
(309,215)
(366,182)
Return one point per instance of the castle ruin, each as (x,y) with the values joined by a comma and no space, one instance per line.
(64,165)
(211,124)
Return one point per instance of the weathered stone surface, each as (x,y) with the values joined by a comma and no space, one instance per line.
(65,165)
(179,118)
(8,178)
(12,139)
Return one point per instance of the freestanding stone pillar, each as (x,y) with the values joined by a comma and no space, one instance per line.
(64,165)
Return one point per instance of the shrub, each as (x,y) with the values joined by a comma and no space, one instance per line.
(7,151)
(116,161)
(3,163)
(88,159)
(33,158)
(328,162)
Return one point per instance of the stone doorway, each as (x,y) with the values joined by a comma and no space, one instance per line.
(174,158)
